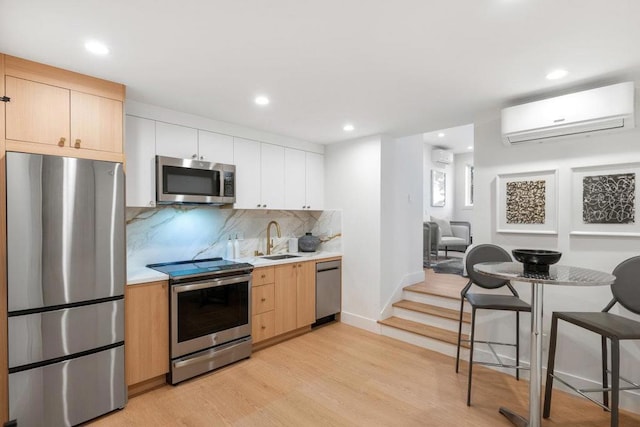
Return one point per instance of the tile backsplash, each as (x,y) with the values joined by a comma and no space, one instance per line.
(173,233)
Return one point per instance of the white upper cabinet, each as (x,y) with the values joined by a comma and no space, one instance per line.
(314,181)
(294,179)
(215,147)
(268,176)
(176,141)
(247,161)
(304,180)
(140,150)
(259,175)
(272,176)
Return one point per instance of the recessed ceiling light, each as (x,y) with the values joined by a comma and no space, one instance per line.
(96,47)
(348,127)
(262,100)
(557,74)
(441,135)
(470,147)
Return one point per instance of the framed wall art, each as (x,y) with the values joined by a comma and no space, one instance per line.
(527,202)
(604,200)
(438,188)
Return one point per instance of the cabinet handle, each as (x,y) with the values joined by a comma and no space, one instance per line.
(264,206)
(258,205)
(77,144)
(201,157)
(61,142)
(195,156)
(263,327)
(263,276)
(263,299)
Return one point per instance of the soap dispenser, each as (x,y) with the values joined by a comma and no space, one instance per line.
(236,248)
(229,253)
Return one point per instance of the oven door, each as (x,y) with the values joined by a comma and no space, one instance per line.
(208,313)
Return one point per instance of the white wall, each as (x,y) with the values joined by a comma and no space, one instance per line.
(376,181)
(578,352)
(401,218)
(352,183)
(460,211)
(447,210)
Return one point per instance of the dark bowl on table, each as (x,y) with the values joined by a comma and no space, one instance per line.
(536,260)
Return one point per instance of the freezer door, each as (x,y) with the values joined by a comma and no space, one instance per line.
(70,392)
(65,230)
(39,337)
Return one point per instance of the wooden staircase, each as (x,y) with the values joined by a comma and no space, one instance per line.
(428,314)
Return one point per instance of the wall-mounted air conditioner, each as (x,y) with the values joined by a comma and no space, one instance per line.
(441,156)
(602,109)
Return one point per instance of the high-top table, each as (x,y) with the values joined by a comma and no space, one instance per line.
(557,275)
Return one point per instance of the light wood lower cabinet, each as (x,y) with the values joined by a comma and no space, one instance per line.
(146,331)
(283,299)
(295,296)
(262,304)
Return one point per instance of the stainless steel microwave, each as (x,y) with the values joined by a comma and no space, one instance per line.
(194,181)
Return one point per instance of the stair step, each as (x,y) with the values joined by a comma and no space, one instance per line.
(424,330)
(433,310)
(421,288)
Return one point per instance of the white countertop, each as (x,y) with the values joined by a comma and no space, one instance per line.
(138,275)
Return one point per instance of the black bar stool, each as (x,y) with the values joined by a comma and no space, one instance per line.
(626,291)
(488,253)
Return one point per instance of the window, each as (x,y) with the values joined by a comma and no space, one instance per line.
(468,186)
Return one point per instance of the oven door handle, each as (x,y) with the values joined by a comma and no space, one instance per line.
(186,288)
(208,355)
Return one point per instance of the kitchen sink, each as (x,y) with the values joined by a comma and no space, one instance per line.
(283,256)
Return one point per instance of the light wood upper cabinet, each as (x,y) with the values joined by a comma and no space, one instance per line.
(96,123)
(146,331)
(37,112)
(59,112)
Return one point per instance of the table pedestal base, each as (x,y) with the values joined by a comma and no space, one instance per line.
(515,419)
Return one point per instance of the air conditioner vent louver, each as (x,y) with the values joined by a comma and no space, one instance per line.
(603,109)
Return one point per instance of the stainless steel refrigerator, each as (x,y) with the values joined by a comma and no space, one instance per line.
(66,276)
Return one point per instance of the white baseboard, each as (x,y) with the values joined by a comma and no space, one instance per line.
(361,322)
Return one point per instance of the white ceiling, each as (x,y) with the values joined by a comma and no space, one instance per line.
(457,139)
(398,67)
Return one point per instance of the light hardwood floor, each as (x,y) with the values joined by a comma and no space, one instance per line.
(343,376)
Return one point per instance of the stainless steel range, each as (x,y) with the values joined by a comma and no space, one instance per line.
(210,321)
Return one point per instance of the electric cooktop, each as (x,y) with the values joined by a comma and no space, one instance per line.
(201,268)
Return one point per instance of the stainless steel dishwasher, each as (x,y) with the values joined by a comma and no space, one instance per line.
(328,290)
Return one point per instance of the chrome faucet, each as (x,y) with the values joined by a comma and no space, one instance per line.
(269,241)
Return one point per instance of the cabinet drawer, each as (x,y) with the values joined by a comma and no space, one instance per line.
(263,326)
(262,276)
(262,298)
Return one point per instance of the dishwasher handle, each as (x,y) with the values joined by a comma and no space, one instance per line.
(327,269)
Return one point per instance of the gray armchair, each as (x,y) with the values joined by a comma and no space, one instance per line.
(433,240)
